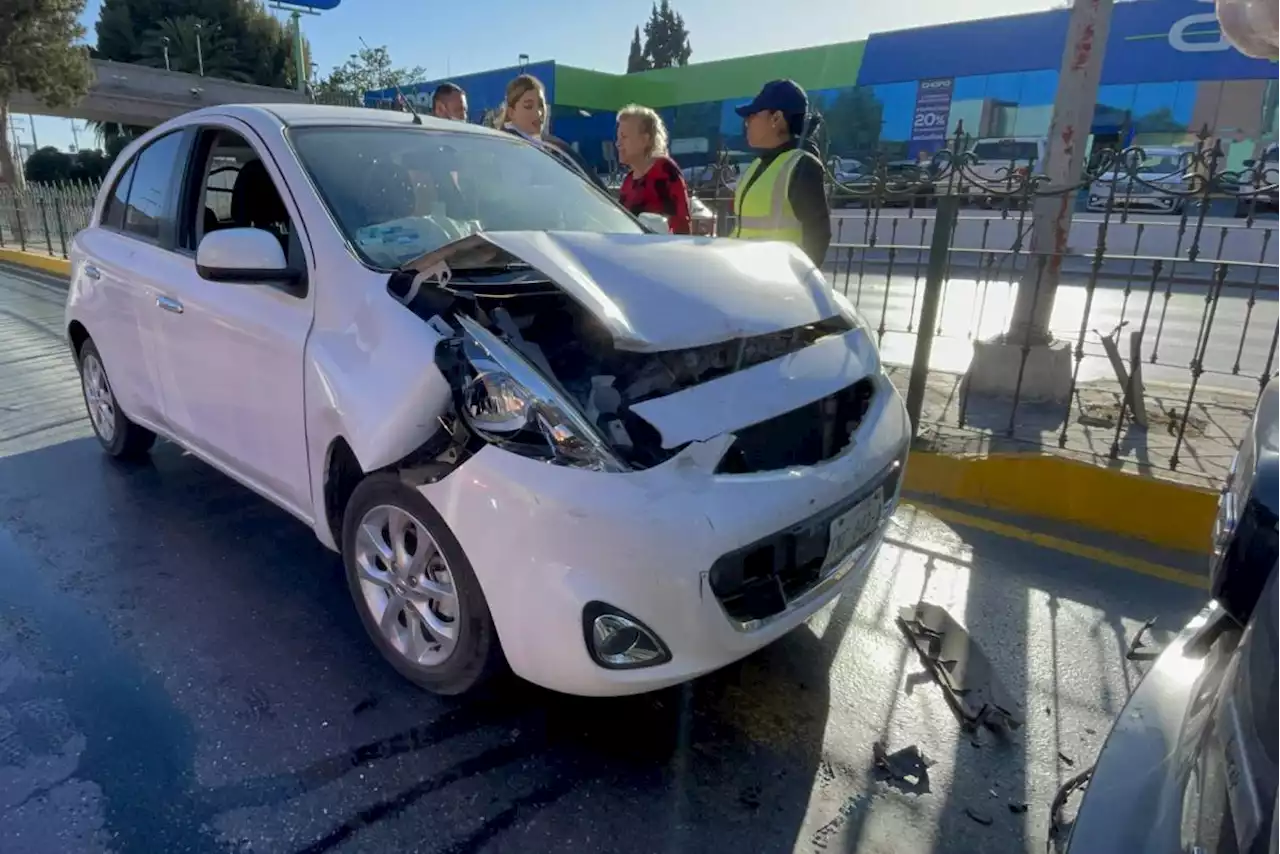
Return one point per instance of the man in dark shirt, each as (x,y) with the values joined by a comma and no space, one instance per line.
(775,124)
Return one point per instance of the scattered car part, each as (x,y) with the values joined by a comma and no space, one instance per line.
(959,665)
(907,769)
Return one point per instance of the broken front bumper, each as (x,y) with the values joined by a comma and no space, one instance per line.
(547,540)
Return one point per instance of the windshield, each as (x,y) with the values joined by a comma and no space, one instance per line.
(398,193)
(1006,149)
(1162,163)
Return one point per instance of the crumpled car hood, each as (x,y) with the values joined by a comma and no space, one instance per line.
(656,292)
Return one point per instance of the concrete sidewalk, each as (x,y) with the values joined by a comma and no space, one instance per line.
(1216,421)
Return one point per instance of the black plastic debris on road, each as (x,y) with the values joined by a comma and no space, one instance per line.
(958,664)
(1136,646)
(906,770)
(978,816)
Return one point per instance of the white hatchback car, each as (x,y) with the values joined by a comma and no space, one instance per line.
(538,433)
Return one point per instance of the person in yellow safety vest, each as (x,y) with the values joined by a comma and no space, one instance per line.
(782,194)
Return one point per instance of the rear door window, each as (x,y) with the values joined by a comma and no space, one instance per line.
(154,188)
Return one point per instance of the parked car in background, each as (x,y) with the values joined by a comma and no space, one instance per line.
(1160,182)
(540,435)
(999,165)
(897,182)
(1191,764)
(701,218)
(1257,191)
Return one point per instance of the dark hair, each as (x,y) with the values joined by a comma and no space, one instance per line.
(444,90)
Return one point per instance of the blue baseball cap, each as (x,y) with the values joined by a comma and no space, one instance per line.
(785,96)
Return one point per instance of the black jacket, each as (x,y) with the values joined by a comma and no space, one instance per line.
(807,193)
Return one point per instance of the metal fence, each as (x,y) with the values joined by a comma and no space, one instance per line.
(1164,300)
(44,217)
(1169,318)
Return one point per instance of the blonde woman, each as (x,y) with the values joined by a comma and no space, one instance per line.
(524,113)
(654,183)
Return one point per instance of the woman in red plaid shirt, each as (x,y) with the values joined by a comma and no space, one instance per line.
(654,183)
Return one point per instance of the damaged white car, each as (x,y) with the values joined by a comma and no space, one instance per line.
(539,434)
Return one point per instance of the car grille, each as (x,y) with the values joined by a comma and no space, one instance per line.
(801,437)
(760,580)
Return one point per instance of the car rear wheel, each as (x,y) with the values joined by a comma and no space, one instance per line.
(119,436)
(415,590)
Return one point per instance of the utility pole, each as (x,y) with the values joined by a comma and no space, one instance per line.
(1073,107)
(1026,358)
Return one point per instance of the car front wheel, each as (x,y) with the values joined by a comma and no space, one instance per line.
(414,588)
(119,436)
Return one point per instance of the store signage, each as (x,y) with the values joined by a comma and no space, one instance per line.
(933,110)
(1184,39)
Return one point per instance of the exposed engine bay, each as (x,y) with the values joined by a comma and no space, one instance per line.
(486,311)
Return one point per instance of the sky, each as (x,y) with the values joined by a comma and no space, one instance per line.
(454,38)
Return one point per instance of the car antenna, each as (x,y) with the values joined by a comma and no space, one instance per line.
(417,119)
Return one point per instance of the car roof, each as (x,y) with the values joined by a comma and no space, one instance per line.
(301,115)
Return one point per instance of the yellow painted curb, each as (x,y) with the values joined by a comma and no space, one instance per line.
(1167,514)
(56,266)
(1071,547)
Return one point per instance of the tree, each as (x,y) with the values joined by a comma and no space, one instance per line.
(371,68)
(39,54)
(636,60)
(193,45)
(239,38)
(666,41)
(47,165)
(852,122)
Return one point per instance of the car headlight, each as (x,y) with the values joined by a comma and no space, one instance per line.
(509,403)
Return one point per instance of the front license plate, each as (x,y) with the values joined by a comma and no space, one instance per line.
(852,527)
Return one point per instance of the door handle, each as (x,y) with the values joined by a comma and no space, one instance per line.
(91,272)
(169,304)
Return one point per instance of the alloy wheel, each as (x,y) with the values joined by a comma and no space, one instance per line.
(407,585)
(98,397)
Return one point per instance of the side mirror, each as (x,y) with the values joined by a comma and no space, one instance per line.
(243,255)
(655,222)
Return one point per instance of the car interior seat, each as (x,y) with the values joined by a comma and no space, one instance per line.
(255,203)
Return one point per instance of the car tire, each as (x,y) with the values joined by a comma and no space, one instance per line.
(119,436)
(376,526)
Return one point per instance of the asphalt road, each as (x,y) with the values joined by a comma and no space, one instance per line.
(181,671)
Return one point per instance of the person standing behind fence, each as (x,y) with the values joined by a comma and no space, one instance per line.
(654,183)
(782,194)
(524,113)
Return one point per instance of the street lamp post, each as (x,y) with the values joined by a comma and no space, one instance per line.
(299,57)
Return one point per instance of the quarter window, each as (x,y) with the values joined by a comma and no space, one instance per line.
(113,216)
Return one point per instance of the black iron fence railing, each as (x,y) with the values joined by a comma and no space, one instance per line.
(1161,299)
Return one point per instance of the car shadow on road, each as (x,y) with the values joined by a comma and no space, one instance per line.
(242,621)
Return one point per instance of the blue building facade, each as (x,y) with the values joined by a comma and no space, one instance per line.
(1167,72)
